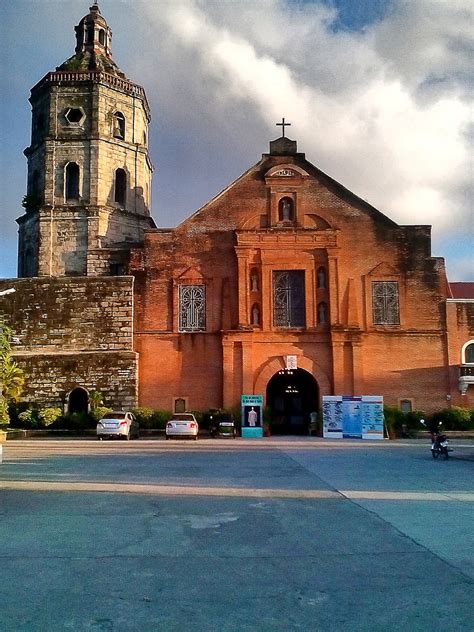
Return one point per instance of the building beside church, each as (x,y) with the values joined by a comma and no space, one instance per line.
(285,284)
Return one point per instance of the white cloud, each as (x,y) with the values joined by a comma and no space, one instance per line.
(353,99)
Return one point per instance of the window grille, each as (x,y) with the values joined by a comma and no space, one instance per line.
(192,308)
(385,303)
(288,298)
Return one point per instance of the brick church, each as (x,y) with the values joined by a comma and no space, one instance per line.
(285,284)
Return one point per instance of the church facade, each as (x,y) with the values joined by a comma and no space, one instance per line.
(285,285)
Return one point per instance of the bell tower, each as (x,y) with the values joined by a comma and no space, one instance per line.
(89,172)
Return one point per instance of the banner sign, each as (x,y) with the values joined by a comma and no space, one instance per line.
(353,417)
(251,407)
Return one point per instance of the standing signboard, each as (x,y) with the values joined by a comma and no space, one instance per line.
(251,407)
(353,417)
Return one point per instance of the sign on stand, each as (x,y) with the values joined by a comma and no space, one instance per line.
(251,416)
(353,417)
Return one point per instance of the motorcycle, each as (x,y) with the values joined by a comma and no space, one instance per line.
(439,442)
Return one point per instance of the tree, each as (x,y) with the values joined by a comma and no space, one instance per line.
(11,375)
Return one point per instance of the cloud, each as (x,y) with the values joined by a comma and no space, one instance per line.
(357,101)
(384,110)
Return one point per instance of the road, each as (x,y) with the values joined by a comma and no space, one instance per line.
(278,534)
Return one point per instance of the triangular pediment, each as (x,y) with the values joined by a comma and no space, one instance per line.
(189,275)
(383,269)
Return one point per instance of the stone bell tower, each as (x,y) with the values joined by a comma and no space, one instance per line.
(89,172)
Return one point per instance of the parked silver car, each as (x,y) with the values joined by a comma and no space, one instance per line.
(182,425)
(121,425)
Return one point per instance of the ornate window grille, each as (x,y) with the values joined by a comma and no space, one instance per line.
(288,298)
(192,308)
(385,303)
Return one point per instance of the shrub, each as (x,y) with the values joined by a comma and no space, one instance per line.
(98,412)
(48,416)
(74,421)
(29,418)
(454,418)
(4,416)
(150,418)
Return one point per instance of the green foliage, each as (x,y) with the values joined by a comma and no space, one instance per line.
(11,376)
(29,418)
(96,400)
(48,416)
(454,418)
(4,417)
(401,423)
(99,411)
(150,418)
(74,421)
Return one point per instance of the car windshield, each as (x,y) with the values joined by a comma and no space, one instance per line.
(183,417)
(114,416)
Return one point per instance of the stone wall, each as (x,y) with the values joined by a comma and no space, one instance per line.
(73,332)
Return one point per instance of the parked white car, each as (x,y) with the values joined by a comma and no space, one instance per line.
(121,425)
(182,425)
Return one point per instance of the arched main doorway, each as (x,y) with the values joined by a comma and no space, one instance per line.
(78,401)
(292,395)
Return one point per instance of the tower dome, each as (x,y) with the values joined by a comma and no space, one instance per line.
(93,45)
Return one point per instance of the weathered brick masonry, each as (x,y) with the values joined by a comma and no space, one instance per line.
(73,332)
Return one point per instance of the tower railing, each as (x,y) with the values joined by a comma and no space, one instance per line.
(92,76)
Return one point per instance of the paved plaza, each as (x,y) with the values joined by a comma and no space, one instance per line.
(235,535)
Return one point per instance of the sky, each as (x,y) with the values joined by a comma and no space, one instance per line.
(378,94)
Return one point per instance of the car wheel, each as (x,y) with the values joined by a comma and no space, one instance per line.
(167,437)
(99,438)
(196,438)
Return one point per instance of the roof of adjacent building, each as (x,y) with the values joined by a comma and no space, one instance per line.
(462,290)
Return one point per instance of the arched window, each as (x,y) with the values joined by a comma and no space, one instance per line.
(90,34)
(286,210)
(119,126)
(72,181)
(102,37)
(255,315)
(469,354)
(120,186)
(321,277)
(322,313)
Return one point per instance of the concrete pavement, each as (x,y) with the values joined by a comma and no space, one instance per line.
(277,534)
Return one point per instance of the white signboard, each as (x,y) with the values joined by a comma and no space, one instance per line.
(292,362)
(353,417)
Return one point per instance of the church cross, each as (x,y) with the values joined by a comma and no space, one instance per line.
(283,125)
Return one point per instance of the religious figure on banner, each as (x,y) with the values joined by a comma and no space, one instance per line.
(252,418)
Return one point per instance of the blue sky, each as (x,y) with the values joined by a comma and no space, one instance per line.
(378,94)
